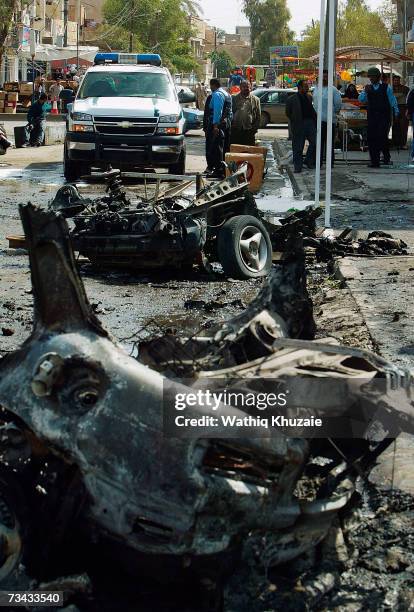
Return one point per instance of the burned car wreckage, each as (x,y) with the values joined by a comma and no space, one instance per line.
(220,222)
(85,458)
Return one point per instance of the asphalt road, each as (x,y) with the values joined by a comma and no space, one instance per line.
(126,303)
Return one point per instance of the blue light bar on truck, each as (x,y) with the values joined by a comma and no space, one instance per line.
(152,59)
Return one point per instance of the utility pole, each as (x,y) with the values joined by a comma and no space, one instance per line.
(78,34)
(65,22)
(131,27)
(328,9)
(215,53)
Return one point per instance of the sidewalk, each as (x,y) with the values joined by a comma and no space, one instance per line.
(382,288)
(354,180)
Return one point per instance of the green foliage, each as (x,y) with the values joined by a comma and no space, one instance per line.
(269,21)
(388,14)
(160,26)
(223,62)
(7,8)
(356,25)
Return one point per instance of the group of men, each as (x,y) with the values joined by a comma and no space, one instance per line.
(228,120)
(302,108)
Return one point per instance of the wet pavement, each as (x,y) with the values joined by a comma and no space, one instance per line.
(126,303)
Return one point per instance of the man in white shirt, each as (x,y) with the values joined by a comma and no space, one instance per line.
(337,103)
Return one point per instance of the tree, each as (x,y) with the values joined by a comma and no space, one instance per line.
(223,63)
(389,15)
(7,8)
(356,25)
(269,21)
(160,26)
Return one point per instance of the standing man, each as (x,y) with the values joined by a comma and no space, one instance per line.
(40,87)
(302,118)
(54,91)
(400,126)
(201,95)
(217,127)
(234,81)
(381,104)
(36,119)
(270,77)
(337,104)
(410,116)
(246,116)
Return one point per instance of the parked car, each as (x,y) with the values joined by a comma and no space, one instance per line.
(186,96)
(193,119)
(273,102)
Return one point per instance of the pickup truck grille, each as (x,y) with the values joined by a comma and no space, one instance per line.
(145,126)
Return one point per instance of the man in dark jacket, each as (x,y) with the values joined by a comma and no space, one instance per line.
(381,104)
(36,119)
(302,118)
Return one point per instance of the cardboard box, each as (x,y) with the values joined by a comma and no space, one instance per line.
(11,86)
(236,148)
(255,167)
(26,89)
(12,96)
(3,95)
(10,110)
(1,106)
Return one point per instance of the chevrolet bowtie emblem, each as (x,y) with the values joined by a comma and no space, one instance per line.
(125,124)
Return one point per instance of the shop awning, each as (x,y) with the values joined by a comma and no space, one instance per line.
(368,54)
(50,53)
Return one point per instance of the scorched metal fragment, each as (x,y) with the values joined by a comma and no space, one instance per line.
(85,457)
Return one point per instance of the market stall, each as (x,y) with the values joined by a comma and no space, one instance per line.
(354,61)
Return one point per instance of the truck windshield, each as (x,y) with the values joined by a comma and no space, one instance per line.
(126,84)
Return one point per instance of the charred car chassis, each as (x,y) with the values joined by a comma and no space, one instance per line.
(84,451)
(220,223)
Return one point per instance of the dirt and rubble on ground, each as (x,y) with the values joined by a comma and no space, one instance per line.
(364,563)
(69,369)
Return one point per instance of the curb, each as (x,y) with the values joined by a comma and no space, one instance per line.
(23,117)
(279,153)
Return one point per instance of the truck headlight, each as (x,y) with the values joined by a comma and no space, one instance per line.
(175,131)
(169,118)
(81,117)
(83,127)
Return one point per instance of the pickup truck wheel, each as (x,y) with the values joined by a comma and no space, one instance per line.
(244,248)
(72,170)
(179,167)
(264,119)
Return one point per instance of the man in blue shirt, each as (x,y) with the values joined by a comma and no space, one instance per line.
(218,124)
(337,103)
(381,104)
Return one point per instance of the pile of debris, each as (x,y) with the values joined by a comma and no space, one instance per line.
(377,244)
(170,228)
(86,459)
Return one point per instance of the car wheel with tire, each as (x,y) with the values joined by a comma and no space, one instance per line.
(179,167)
(72,170)
(244,248)
(264,119)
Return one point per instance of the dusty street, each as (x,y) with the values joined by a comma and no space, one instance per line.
(127,303)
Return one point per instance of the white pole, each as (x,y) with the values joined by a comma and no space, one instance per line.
(329,143)
(319,123)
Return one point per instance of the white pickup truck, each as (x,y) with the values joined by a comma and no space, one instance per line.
(126,114)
